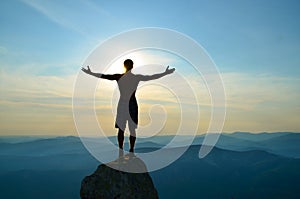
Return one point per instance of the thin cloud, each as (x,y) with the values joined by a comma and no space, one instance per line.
(247,91)
(72,19)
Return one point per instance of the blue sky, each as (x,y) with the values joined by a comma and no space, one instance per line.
(255,45)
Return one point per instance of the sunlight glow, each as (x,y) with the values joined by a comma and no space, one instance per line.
(118,67)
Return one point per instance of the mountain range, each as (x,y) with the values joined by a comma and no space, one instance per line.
(242,165)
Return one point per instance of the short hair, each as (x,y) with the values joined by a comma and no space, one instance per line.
(128,63)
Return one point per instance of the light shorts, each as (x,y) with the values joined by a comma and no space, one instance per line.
(127,112)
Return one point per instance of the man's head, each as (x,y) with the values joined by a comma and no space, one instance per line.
(128,64)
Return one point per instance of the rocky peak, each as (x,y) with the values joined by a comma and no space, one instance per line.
(110,181)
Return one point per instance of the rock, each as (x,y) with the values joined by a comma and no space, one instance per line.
(108,182)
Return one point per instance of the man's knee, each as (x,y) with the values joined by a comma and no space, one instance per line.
(132,132)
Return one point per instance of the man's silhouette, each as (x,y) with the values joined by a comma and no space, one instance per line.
(127,107)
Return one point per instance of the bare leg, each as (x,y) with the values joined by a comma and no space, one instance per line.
(121,138)
(132,139)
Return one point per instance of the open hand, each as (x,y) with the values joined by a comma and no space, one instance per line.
(169,71)
(88,70)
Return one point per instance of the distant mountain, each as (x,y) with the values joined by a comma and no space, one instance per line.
(20,139)
(256,136)
(237,144)
(229,174)
(46,184)
(148,145)
(284,144)
(41,147)
(54,168)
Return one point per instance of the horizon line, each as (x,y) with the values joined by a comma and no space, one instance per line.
(57,135)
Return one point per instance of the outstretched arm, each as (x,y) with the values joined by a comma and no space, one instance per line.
(99,75)
(158,75)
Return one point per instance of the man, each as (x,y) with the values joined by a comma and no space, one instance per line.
(127,110)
